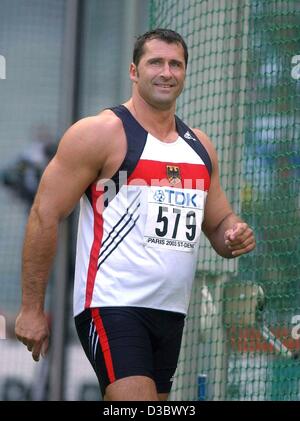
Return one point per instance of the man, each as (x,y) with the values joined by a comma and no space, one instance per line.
(147,184)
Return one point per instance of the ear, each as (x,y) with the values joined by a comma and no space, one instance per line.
(133,72)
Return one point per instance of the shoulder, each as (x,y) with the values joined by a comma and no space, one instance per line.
(95,128)
(92,135)
(208,144)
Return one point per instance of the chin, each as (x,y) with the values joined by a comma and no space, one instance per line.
(162,103)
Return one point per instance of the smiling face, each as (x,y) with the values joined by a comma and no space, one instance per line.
(159,76)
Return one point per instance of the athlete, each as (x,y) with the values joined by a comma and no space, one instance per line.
(148,185)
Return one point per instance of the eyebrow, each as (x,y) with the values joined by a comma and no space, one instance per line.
(174,60)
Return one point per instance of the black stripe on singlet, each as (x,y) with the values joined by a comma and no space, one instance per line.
(117,233)
(194,142)
(136,137)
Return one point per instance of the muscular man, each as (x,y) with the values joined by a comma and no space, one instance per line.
(148,185)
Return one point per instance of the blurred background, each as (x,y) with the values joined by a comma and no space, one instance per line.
(62,60)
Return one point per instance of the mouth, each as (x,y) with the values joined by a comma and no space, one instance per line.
(164,85)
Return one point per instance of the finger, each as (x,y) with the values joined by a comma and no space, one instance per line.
(36,356)
(26,342)
(227,234)
(237,245)
(30,347)
(245,239)
(36,351)
(235,231)
(247,249)
(29,343)
(240,238)
(238,230)
(45,347)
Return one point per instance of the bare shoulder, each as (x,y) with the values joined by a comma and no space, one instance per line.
(208,144)
(95,131)
(92,138)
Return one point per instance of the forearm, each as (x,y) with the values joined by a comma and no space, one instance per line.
(217,239)
(38,253)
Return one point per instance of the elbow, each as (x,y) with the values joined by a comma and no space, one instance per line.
(43,215)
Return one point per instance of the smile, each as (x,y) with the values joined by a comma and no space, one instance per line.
(163,85)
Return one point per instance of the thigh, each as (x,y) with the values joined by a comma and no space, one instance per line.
(117,345)
(133,388)
(167,353)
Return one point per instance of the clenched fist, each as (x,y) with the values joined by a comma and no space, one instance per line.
(239,239)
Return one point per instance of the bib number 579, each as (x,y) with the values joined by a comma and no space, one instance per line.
(164,218)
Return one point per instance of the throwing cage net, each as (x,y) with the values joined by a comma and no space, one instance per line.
(241,340)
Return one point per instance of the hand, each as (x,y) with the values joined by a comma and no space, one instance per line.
(32,329)
(239,239)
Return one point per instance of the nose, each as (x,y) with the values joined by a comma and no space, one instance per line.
(166,71)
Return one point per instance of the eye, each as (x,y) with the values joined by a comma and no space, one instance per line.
(155,61)
(176,64)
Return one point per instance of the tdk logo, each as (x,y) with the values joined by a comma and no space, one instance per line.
(159,196)
(176,197)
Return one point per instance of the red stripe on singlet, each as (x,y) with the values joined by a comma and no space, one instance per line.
(95,250)
(155,173)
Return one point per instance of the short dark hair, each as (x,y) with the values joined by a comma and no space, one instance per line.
(167,35)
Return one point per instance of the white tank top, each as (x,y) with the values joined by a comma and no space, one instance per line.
(138,238)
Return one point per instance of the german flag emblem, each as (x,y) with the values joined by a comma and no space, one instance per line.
(173,174)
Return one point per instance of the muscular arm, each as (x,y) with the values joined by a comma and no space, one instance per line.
(227,233)
(75,166)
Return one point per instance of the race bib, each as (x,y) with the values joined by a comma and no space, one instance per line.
(174,218)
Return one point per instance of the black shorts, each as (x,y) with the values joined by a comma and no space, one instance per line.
(131,341)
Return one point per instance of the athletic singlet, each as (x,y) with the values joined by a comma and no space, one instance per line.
(138,237)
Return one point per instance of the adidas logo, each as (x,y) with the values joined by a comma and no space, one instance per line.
(188,136)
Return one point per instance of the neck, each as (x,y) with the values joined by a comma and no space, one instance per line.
(160,123)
